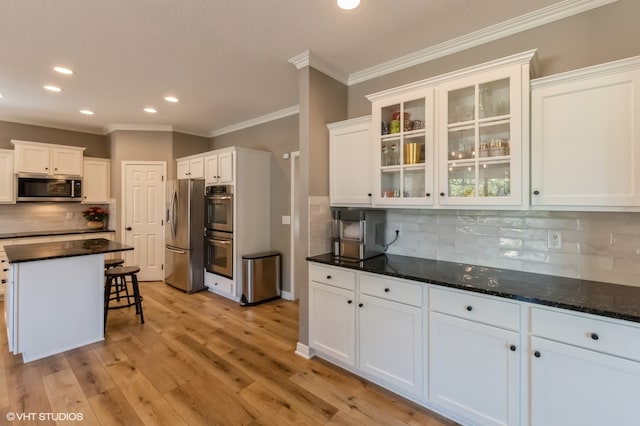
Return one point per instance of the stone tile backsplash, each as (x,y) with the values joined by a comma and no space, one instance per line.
(36,217)
(595,246)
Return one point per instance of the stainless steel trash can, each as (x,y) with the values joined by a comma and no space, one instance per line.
(261,278)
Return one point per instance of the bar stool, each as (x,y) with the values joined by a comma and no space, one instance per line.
(119,286)
(121,273)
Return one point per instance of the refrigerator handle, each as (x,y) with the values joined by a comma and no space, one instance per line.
(176,251)
(174,214)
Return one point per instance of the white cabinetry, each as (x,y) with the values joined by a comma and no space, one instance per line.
(96,180)
(583,370)
(350,162)
(483,135)
(474,356)
(219,168)
(332,314)
(47,159)
(585,140)
(7,178)
(190,168)
(390,335)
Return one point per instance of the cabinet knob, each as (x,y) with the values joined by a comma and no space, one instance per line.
(6,270)
(360,305)
(46,168)
(536,192)
(469,308)
(3,260)
(369,194)
(442,194)
(387,290)
(428,194)
(594,336)
(128,228)
(349,301)
(328,277)
(536,354)
(512,348)
(4,281)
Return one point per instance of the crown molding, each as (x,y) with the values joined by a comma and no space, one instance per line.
(255,121)
(137,127)
(516,25)
(71,128)
(622,65)
(307,59)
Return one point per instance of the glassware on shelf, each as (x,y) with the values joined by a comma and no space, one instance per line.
(395,155)
(385,156)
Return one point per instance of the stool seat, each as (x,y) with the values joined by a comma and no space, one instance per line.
(112,263)
(121,273)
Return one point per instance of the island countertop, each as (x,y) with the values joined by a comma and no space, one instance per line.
(599,298)
(53,250)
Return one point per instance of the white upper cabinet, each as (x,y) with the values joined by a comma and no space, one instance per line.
(47,159)
(96,180)
(219,168)
(190,168)
(350,162)
(585,140)
(7,178)
(483,128)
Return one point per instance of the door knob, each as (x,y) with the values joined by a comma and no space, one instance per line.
(128,228)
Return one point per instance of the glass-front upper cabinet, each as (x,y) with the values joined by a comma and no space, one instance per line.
(403,149)
(481,139)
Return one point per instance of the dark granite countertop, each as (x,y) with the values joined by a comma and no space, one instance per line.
(599,298)
(10,235)
(42,251)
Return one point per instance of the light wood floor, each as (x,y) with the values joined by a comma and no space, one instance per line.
(199,359)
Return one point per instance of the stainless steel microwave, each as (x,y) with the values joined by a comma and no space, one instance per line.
(31,188)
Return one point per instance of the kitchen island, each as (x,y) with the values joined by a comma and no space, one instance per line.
(54,298)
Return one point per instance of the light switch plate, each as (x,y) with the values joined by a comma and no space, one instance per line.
(286,220)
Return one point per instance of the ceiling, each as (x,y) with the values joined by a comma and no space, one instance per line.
(226,60)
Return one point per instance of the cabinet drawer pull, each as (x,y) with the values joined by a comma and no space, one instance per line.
(4,281)
(594,336)
(428,194)
(360,305)
(369,195)
(512,348)
(536,354)
(536,192)
(442,194)
(328,277)
(469,308)
(349,301)
(387,290)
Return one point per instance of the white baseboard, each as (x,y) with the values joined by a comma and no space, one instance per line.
(286,295)
(304,351)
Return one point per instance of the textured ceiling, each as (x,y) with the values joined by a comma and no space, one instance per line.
(227,60)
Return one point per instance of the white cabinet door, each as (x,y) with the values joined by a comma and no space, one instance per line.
(192,168)
(585,137)
(350,162)
(211,169)
(390,343)
(95,183)
(7,178)
(573,386)
(32,158)
(474,370)
(66,161)
(481,124)
(225,167)
(182,169)
(332,322)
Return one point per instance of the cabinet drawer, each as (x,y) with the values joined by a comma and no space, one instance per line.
(391,289)
(587,332)
(476,308)
(333,276)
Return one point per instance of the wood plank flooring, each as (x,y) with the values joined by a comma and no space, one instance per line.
(199,359)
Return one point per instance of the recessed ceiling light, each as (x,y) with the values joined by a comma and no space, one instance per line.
(171,99)
(63,70)
(150,110)
(53,88)
(348,4)
(86,112)
(1,96)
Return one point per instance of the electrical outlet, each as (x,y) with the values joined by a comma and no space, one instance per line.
(69,215)
(397,228)
(554,240)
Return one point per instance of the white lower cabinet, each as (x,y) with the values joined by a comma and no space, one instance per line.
(474,370)
(583,370)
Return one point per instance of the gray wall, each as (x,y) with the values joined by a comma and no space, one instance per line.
(278,137)
(597,36)
(96,144)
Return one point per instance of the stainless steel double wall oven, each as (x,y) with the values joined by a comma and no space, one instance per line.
(219,230)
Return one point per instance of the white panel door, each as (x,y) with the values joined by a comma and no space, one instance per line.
(144,193)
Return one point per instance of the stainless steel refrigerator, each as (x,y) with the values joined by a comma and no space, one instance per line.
(184,235)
